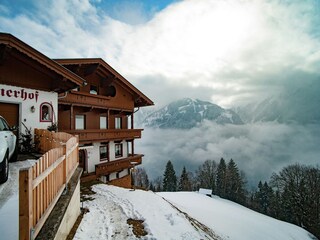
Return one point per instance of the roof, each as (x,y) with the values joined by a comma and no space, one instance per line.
(140,100)
(13,42)
(205,191)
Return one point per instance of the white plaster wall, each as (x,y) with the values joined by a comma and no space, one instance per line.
(123,173)
(93,157)
(112,150)
(112,176)
(103,179)
(26,116)
(70,216)
(94,154)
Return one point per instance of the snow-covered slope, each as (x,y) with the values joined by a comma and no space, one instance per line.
(187,113)
(233,221)
(179,215)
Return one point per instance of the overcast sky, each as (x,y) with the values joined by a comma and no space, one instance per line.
(229,52)
(225,51)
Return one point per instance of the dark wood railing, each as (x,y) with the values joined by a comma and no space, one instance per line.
(92,100)
(118,165)
(90,135)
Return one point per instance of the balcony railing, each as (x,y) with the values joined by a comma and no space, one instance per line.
(95,135)
(118,165)
(87,99)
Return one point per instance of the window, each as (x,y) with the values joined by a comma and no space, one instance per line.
(111,91)
(46,112)
(104,152)
(93,89)
(118,150)
(103,122)
(3,125)
(118,123)
(80,122)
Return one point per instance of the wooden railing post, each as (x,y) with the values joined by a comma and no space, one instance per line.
(65,169)
(25,204)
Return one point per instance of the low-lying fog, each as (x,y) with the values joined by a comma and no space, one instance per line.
(259,149)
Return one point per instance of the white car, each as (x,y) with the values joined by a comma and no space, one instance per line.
(8,149)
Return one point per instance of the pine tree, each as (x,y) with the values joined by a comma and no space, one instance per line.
(184,182)
(221,178)
(169,178)
(206,175)
(263,198)
(234,183)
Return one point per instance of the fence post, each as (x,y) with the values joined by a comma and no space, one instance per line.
(25,204)
(65,169)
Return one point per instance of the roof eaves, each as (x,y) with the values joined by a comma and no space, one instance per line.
(12,41)
(101,62)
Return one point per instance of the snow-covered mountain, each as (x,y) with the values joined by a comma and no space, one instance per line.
(187,113)
(295,104)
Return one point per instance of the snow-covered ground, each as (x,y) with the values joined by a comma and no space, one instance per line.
(233,221)
(112,207)
(177,216)
(9,202)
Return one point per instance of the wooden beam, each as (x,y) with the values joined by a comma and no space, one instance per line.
(25,204)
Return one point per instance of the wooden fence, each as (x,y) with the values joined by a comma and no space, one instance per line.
(41,185)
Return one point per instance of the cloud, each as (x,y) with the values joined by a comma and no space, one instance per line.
(259,149)
(228,52)
(238,50)
(130,12)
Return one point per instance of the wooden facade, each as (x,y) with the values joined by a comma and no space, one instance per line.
(101,113)
(29,80)
(29,84)
(87,98)
(24,66)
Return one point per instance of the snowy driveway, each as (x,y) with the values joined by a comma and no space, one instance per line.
(9,202)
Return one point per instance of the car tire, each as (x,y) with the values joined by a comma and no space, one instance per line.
(5,169)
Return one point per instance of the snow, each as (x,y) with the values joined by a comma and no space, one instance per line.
(173,216)
(233,221)
(205,191)
(112,206)
(166,215)
(9,201)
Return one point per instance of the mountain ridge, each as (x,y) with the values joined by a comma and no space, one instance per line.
(187,113)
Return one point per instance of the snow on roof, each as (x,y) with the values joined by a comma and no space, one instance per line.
(205,191)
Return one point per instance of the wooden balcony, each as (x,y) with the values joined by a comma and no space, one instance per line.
(92,100)
(100,135)
(118,165)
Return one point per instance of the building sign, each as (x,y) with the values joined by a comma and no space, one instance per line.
(21,94)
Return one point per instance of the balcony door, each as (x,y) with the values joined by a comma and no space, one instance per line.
(118,122)
(80,122)
(103,122)
(83,160)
